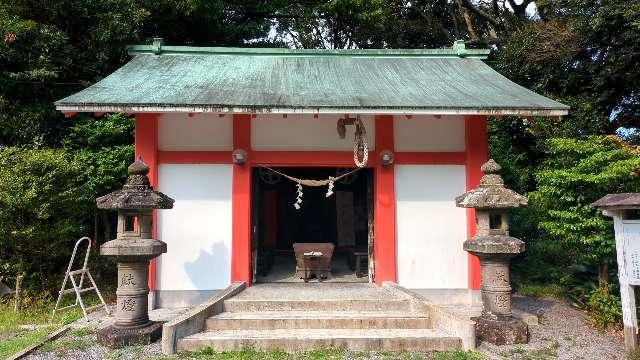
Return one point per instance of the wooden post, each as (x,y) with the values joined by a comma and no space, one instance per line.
(627,294)
(384,227)
(476,154)
(241,203)
(18,293)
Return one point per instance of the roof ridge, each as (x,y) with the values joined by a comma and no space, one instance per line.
(159,49)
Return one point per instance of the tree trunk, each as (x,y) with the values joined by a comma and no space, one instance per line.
(106,225)
(603,274)
(18,293)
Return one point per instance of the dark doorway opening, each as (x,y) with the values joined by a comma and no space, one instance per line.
(344,219)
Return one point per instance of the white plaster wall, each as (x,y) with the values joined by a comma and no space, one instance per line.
(430,228)
(303,132)
(201,132)
(428,133)
(198,228)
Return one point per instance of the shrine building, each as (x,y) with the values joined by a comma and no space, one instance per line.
(235,134)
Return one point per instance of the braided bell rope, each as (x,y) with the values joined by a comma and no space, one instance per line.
(360,144)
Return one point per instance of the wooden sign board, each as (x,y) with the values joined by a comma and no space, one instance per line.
(631,229)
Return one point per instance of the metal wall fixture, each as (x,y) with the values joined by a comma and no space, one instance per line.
(386,158)
(239,156)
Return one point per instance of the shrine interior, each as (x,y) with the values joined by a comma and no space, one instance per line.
(337,227)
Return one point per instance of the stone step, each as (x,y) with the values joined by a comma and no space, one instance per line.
(267,320)
(249,305)
(309,339)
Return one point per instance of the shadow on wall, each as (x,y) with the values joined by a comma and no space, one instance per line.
(211,270)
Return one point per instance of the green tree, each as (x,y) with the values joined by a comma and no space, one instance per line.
(574,174)
(41,211)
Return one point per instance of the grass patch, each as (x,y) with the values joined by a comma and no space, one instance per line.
(20,340)
(36,310)
(134,351)
(546,353)
(541,290)
(83,331)
(326,354)
(633,355)
(67,343)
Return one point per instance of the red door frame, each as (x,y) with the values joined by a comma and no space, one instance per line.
(384,183)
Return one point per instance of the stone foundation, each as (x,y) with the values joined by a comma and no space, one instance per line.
(502,332)
(114,337)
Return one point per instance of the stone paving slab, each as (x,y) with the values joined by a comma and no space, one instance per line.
(317,314)
(315,291)
(316,333)
(307,339)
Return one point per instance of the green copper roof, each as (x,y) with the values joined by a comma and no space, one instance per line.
(188,79)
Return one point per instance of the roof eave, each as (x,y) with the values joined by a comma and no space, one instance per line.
(131,108)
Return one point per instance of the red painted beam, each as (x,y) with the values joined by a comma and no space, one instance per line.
(428,158)
(146,145)
(194,157)
(477,150)
(241,203)
(308,158)
(384,245)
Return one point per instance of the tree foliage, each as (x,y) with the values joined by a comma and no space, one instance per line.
(41,210)
(574,174)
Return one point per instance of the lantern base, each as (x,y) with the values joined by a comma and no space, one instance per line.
(115,337)
(502,332)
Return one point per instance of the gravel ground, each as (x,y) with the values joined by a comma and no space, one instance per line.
(562,333)
(72,347)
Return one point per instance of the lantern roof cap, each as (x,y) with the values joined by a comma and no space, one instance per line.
(137,192)
(618,201)
(491,193)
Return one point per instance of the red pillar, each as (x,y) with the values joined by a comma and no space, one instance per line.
(241,203)
(477,153)
(384,246)
(146,145)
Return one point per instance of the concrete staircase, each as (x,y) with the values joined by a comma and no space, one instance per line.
(294,317)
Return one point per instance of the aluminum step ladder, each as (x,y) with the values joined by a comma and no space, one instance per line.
(77,286)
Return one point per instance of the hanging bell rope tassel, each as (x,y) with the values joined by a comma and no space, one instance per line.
(330,186)
(299,197)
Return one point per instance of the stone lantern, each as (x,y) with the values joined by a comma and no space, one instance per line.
(495,248)
(133,248)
